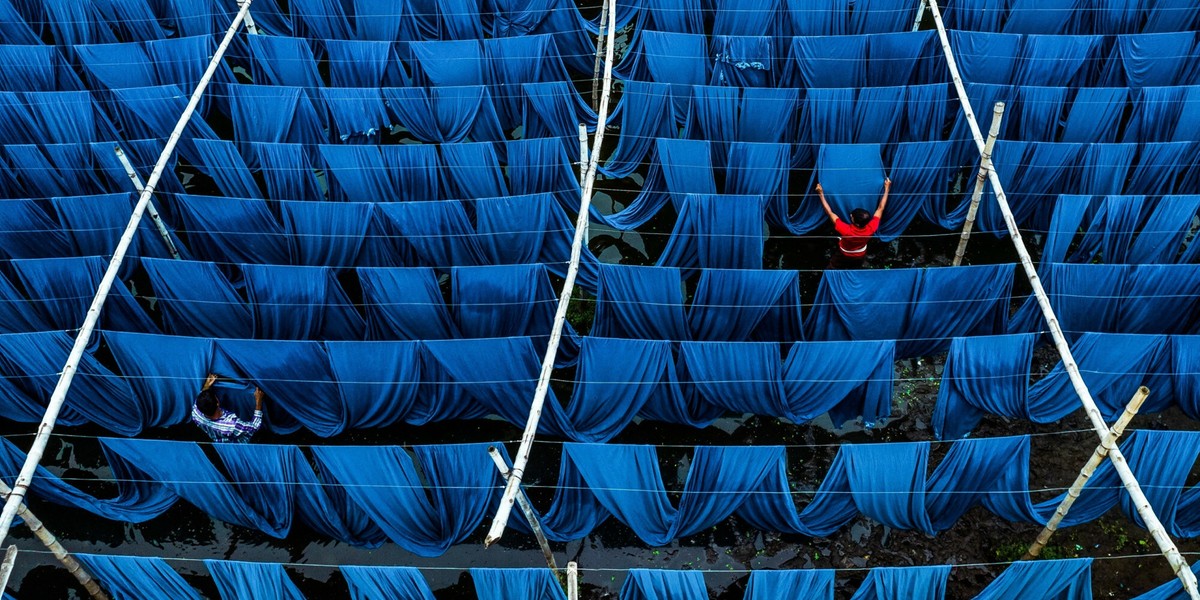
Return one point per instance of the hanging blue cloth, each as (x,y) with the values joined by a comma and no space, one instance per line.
(405,304)
(903,58)
(363,64)
(324,19)
(28,232)
(357,114)
(799,583)
(197,299)
(296,377)
(34,68)
(16,314)
(852,176)
(220,160)
(1156,59)
(646,114)
(332,234)
(286,169)
(273,113)
(439,232)
(378,583)
(137,578)
(300,303)
(1095,115)
(640,302)
(378,381)
(1057,59)
(473,171)
(146,112)
(236,579)
(232,230)
(911,306)
(894,583)
(117,65)
(735,305)
(1069,579)
(716,232)
(504,584)
(657,584)
(985,57)
(855,380)
(448,63)
(64,288)
(446,114)
(824,62)
(164,372)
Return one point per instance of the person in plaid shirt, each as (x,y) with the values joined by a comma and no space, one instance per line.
(219,424)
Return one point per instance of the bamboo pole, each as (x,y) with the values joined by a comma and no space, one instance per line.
(150,209)
(6,567)
(985,165)
(250,26)
(583,157)
(600,48)
(56,548)
(1085,473)
(572,581)
(920,16)
(529,515)
(560,316)
(59,396)
(1139,500)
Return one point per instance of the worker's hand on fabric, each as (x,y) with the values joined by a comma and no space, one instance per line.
(819,188)
(209,381)
(258,396)
(887,182)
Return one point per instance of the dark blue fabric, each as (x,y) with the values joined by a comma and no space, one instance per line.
(894,583)
(806,583)
(1150,60)
(197,299)
(381,583)
(273,113)
(252,580)
(1069,579)
(503,584)
(445,114)
(1116,298)
(382,488)
(716,232)
(65,287)
(232,230)
(911,306)
(657,584)
(137,578)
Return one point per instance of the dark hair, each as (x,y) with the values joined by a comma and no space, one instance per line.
(860,217)
(207,403)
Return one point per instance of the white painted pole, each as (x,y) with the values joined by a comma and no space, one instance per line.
(920,16)
(572,581)
(6,567)
(529,514)
(985,165)
(1098,456)
(600,46)
(250,26)
(583,157)
(110,275)
(150,210)
(1140,502)
(560,316)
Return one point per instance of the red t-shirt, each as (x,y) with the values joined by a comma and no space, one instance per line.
(853,242)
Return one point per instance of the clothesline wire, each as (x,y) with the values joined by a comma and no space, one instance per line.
(582,569)
(932,442)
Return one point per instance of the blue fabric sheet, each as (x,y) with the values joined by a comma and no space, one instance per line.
(598,481)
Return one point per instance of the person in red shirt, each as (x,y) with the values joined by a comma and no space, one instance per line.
(852,245)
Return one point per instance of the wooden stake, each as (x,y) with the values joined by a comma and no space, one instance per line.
(529,515)
(572,581)
(985,165)
(600,47)
(1085,473)
(1140,502)
(560,316)
(6,567)
(56,548)
(59,396)
(583,157)
(150,209)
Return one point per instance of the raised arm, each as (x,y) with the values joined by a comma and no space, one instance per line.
(825,204)
(887,187)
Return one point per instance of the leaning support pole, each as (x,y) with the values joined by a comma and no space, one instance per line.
(1106,446)
(583,156)
(600,47)
(572,581)
(560,316)
(150,209)
(1140,502)
(6,567)
(52,544)
(920,17)
(110,275)
(529,515)
(985,165)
